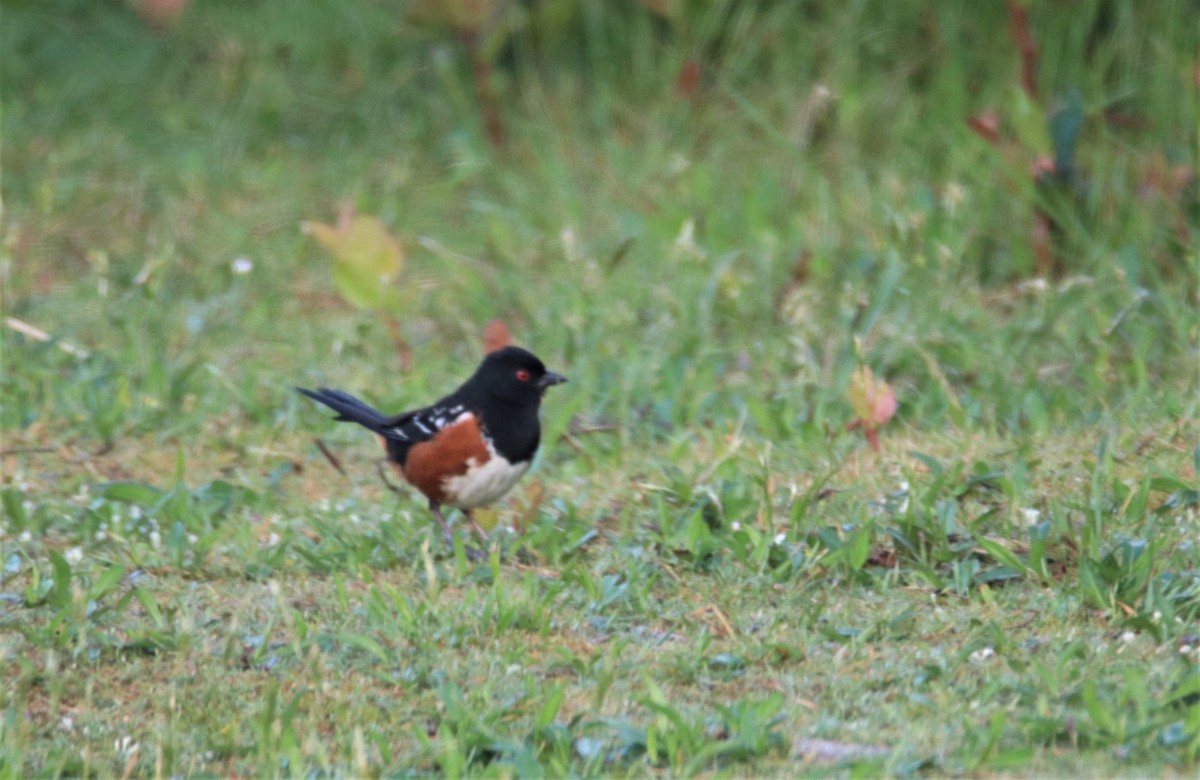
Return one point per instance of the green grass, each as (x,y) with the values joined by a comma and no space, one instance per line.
(712,575)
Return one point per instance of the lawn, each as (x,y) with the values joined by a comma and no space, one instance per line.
(711,217)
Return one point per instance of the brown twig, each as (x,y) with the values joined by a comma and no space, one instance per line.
(714,610)
(329,456)
(574,444)
(481,73)
(1018,18)
(580,430)
(540,571)
(573,431)
(24,451)
(383,476)
(402,347)
(37,334)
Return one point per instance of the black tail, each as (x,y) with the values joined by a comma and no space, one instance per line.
(349,408)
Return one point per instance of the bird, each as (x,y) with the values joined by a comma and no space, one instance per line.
(468,449)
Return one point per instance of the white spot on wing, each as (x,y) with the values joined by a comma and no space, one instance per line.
(437,418)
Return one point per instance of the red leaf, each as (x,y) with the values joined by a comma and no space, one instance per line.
(873,401)
(496,336)
(689,78)
(986,126)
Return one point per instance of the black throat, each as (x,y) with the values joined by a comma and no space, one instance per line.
(514,429)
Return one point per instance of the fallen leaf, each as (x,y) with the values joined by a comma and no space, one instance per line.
(987,126)
(688,80)
(366,258)
(873,402)
(496,337)
(487,519)
(162,15)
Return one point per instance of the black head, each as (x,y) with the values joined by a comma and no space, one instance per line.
(514,375)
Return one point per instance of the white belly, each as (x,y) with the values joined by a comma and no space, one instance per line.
(482,485)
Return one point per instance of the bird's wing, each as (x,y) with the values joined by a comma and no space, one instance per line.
(421,424)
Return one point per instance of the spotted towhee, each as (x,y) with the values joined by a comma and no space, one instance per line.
(468,449)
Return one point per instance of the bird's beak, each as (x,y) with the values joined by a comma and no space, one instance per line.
(549,379)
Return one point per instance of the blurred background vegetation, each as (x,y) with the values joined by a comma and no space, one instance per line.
(997,201)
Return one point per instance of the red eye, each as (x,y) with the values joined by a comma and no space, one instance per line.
(522,375)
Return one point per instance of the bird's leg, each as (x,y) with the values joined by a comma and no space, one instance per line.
(482,534)
(447,534)
(474,553)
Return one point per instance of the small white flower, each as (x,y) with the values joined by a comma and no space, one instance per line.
(735,525)
(242,265)
(1032,516)
(780,537)
(100,535)
(125,746)
(192,538)
(1128,637)
(74,555)
(953,196)
(982,654)
(273,539)
(1035,286)
(678,164)
(26,536)
(67,722)
(570,243)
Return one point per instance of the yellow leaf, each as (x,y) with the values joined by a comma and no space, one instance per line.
(873,400)
(327,235)
(361,290)
(488,519)
(368,246)
(366,258)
